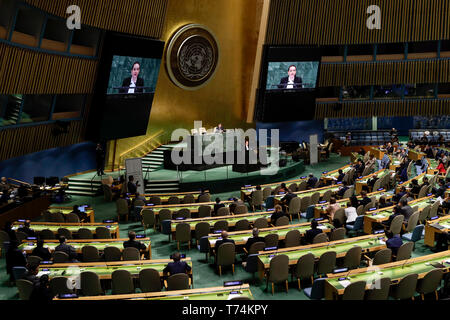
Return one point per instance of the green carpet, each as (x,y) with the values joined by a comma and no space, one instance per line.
(205,274)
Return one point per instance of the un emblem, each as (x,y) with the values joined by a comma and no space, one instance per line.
(192,56)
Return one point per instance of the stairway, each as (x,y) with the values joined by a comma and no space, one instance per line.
(12,110)
(84,187)
(162,186)
(155,159)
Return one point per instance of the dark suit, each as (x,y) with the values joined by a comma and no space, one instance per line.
(394,243)
(217,206)
(43,253)
(177,267)
(441,191)
(135,244)
(387,204)
(284,83)
(30,232)
(126,84)
(131,187)
(288,197)
(219,242)
(364,201)
(340,177)
(311,182)
(14,258)
(310,234)
(276,215)
(67,249)
(253,240)
(342,191)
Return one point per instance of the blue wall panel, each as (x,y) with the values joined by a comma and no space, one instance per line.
(295,130)
(57,162)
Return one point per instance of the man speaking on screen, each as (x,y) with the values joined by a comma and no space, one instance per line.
(291,81)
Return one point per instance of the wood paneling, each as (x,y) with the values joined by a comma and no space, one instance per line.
(140,17)
(380,73)
(344,21)
(29,71)
(383,108)
(20,141)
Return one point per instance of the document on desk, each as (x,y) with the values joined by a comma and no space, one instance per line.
(344,283)
(321,227)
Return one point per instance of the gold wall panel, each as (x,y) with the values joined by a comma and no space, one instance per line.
(27,71)
(20,141)
(344,21)
(140,17)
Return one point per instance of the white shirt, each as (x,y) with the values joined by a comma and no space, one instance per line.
(351,214)
(132,86)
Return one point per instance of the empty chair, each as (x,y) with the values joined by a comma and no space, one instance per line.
(360,210)
(327,196)
(60,257)
(21,236)
(243,224)
(430,283)
(225,256)
(107,192)
(90,284)
(19,272)
(34,260)
(315,198)
(383,256)
(327,263)
(90,254)
(294,207)
(396,224)
(179,281)
(122,283)
(173,200)
(184,213)
(256,247)
(112,254)
(46,234)
(267,191)
(348,193)
(139,203)
(189,198)
(84,233)
(305,203)
(379,290)
(57,217)
(304,268)
(148,219)
(405,288)
(224,211)
(183,234)
(292,239)
(60,285)
(423,215)
(46,216)
(72,217)
(316,292)
(283,221)
(293,187)
(309,214)
(204,198)
(355,291)
(423,191)
(204,211)
(65,233)
(149,280)
(302,186)
(155,200)
(337,234)
(164,214)
(405,250)
(241,209)
(271,240)
(368,206)
(434,210)
(25,288)
(340,215)
(352,258)
(122,209)
(412,222)
(220,225)
(131,254)
(201,230)
(278,271)
(357,227)
(260,223)
(415,235)
(102,233)
(166,227)
(320,238)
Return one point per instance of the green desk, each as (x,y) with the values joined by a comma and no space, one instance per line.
(247,190)
(66,210)
(436,226)
(214,293)
(394,270)
(72,227)
(369,243)
(78,244)
(415,155)
(380,215)
(240,237)
(363,181)
(332,175)
(308,193)
(193,207)
(419,179)
(104,270)
(165,196)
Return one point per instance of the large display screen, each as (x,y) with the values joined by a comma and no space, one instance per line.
(292,75)
(130,75)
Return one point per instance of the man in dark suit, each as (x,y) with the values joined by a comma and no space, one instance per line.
(14,258)
(399,195)
(224,239)
(310,184)
(133,243)
(177,266)
(133,84)
(100,159)
(342,190)
(440,192)
(254,239)
(41,252)
(365,199)
(287,198)
(311,233)
(69,250)
(393,242)
(217,206)
(340,176)
(291,81)
(131,186)
(277,214)
(26,229)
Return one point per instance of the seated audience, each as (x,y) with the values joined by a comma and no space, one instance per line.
(311,233)
(217,206)
(14,258)
(382,203)
(255,238)
(350,213)
(177,266)
(278,213)
(224,239)
(132,242)
(393,242)
(41,252)
(26,229)
(68,249)
(332,208)
(311,183)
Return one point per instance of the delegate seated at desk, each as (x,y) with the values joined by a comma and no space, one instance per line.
(177,266)
(131,242)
